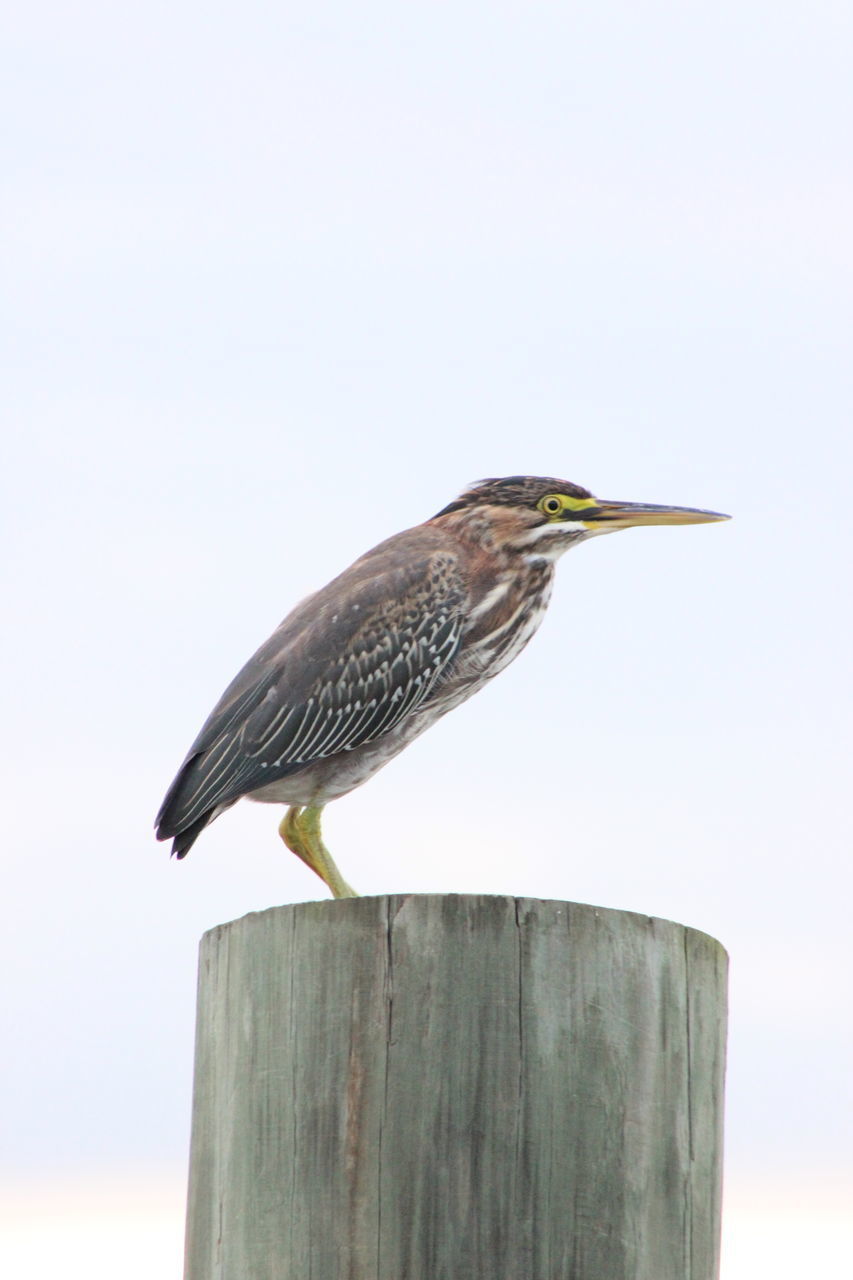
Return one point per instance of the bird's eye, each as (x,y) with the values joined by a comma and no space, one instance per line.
(551,505)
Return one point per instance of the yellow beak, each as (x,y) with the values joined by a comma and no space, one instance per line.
(626,515)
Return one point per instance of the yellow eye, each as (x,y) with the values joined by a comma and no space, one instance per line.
(551,505)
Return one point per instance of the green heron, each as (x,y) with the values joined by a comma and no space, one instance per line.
(363,666)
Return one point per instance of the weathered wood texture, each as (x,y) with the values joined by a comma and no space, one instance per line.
(456,1088)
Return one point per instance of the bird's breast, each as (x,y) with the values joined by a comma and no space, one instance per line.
(500,624)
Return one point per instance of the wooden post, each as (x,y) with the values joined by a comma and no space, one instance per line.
(456,1088)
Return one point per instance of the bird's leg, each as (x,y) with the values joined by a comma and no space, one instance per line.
(289,831)
(300,831)
(321,860)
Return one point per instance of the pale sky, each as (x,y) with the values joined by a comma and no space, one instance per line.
(281,280)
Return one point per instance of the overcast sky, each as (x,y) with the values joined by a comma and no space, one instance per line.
(280,280)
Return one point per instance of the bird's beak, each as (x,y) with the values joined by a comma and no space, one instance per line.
(606,516)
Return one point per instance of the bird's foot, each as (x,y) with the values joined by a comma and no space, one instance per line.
(300,831)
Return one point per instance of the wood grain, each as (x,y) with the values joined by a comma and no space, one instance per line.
(456,1088)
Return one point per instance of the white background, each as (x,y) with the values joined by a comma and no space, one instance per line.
(279,281)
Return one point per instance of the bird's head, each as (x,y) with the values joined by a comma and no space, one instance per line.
(541,516)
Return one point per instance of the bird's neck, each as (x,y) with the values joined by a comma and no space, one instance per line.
(504,581)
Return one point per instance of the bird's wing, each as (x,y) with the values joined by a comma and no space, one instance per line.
(342,670)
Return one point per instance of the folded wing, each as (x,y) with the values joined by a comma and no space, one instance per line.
(343,669)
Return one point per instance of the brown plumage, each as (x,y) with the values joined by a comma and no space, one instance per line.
(364,665)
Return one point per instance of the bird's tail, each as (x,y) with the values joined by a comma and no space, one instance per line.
(184,840)
(176,820)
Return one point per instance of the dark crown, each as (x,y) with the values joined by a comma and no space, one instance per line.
(512,491)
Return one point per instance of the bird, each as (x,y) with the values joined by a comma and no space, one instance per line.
(360,668)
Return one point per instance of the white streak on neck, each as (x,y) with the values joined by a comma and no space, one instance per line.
(489,600)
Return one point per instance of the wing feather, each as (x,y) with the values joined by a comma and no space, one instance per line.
(342,670)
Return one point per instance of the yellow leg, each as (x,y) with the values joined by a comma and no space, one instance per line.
(300,831)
